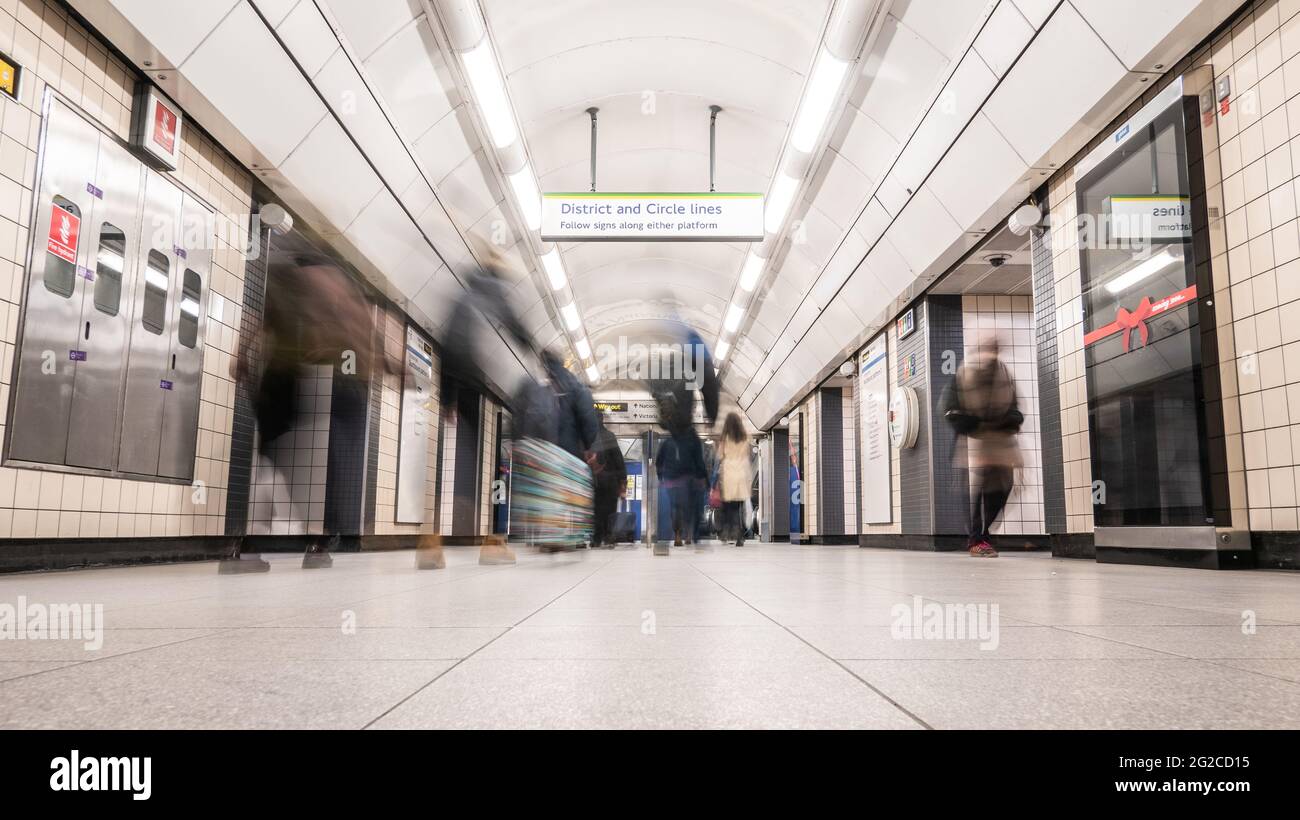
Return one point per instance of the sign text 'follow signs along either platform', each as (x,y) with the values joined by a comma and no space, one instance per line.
(641,217)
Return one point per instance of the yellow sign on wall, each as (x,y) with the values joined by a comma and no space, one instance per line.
(10,74)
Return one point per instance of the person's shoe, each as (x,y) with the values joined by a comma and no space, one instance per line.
(317,558)
(983,549)
(740,542)
(428,552)
(494,552)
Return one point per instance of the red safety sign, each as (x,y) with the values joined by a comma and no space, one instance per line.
(64,227)
(164,127)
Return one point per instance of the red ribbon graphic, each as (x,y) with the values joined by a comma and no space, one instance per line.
(1127,321)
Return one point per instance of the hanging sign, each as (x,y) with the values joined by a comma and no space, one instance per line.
(649,217)
(156,126)
(1166,218)
(62,240)
(906,323)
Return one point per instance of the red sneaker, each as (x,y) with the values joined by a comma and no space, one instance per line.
(983,550)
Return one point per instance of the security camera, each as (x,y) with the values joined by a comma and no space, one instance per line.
(997,260)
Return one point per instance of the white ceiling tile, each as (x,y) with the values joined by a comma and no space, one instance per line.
(446,144)
(308,37)
(355,106)
(273,123)
(368,24)
(1036,11)
(1003,37)
(413,79)
(329,171)
(962,96)
(176,36)
(978,169)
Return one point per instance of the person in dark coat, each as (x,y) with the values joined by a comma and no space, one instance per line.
(610,474)
(680,467)
(557,408)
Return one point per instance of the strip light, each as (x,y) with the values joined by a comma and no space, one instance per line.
(720,353)
(1142,271)
(734,314)
(570,315)
(593,374)
(583,347)
(779,200)
(819,96)
(490,92)
(529,198)
(554,266)
(750,273)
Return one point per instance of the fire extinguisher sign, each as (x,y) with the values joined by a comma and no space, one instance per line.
(64,228)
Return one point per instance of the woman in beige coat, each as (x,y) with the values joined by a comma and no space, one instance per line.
(735,478)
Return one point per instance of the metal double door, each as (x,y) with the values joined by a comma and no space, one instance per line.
(101,217)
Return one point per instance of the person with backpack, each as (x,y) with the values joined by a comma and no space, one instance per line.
(982,407)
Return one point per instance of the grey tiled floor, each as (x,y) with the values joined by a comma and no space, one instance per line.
(765,636)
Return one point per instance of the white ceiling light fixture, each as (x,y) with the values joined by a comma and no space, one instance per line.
(751,272)
(779,200)
(583,347)
(720,354)
(1142,271)
(490,91)
(593,374)
(554,266)
(818,98)
(527,196)
(570,315)
(734,314)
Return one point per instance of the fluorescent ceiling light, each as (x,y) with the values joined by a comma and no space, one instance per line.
(527,195)
(570,314)
(818,97)
(779,200)
(593,374)
(734,314)
(554,266)
(583,347)
(1141,271)
(722,350)
(490,93)
(751,271)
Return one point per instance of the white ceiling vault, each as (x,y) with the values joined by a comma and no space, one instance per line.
(358,114)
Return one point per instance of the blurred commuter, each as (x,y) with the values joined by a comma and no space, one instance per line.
(609,472)
(680,468)
(735,478)
(556,424)
(481,308)
(315,314)
(982,408)
(678,381)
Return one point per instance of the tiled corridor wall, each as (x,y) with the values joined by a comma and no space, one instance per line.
(58,52)
(489,466)
(289,482)
(447,472)
(1011,318)
(810,412)
(849,457)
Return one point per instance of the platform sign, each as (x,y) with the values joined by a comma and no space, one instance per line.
(873,384)
(1150,218)
(652,217)
(62,239)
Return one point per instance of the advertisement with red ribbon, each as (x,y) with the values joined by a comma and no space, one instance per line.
(1127,321)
